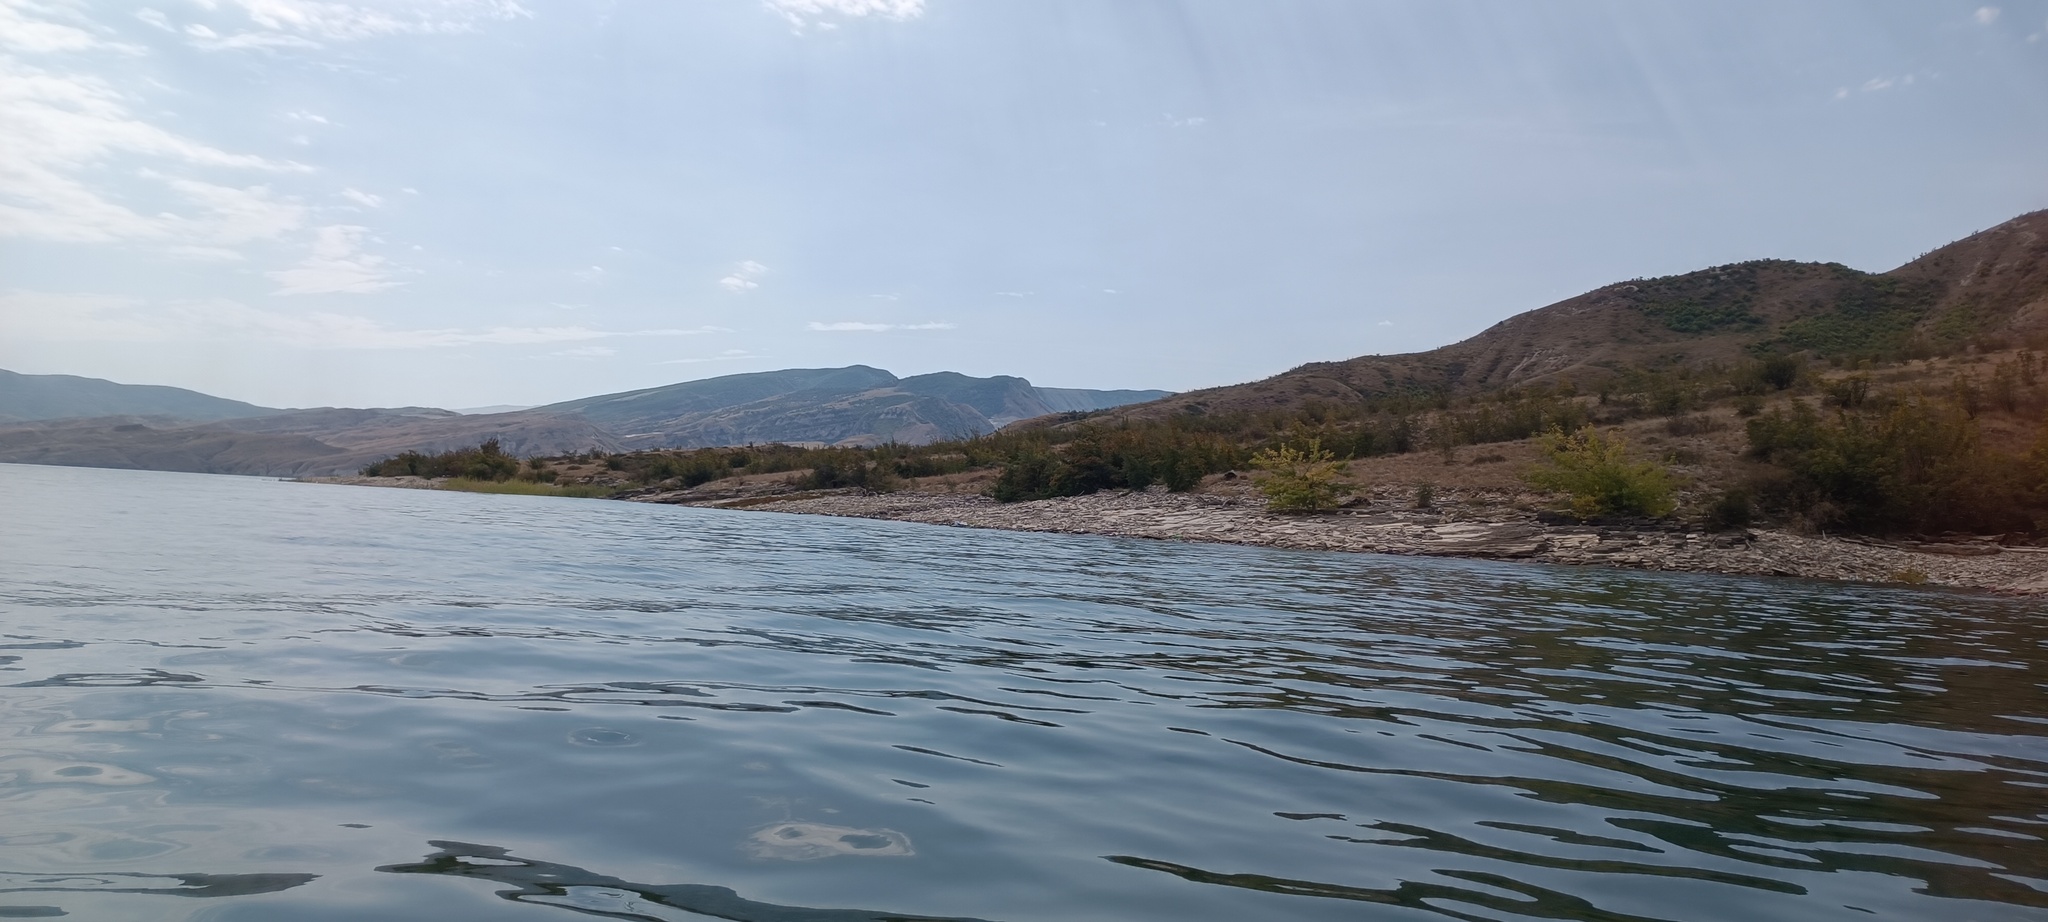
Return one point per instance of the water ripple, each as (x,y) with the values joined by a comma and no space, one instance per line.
(286,683)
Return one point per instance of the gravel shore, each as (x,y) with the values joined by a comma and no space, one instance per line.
(1507,535)
(1482,524)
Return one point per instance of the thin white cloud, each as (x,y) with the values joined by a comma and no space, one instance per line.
(856,326)
(33,28)
(1985,15)
(590,274)
(236,215)
(30,316)
(309,23)
(35,316)
(362,198)
(305,116)
(802,13)
(205,254)
(155,18)
(851,326)
(206,39)
(742,279)
(60,131)
(1013,294)
(729,355)
(587,352)
(337,265)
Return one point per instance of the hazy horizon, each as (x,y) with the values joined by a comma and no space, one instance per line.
(476,202)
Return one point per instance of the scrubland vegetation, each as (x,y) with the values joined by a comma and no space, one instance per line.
(1859,442)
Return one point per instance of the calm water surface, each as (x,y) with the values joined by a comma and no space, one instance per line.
(233,699)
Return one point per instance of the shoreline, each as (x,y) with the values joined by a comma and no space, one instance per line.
(1480,526)
(1194,517)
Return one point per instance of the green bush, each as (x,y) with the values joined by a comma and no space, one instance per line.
(1779,372)
(1919,465)
(484,462)
(1308,478)
(851,469)
(1594,469)
(1733,509)
(1027,475)
(1099,458)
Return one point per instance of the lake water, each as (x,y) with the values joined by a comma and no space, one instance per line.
(235,699)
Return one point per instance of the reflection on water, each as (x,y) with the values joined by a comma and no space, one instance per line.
(292,686)
(193,885)
(570,887)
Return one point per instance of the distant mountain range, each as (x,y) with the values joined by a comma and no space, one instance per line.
(1990,284)
(32,397)
(61,419)
(855,405)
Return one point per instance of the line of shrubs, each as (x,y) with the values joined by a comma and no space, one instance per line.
(487,461)
(1842,454)
(1919,464)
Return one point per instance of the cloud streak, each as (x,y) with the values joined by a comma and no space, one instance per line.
(729,355)
(67,137)
(744,277)
(35,316)
(337,266)
(23,33)
(856,326)
(312,23)
(802,13)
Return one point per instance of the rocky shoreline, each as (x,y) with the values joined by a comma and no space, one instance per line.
(1503,535)
(1479,524)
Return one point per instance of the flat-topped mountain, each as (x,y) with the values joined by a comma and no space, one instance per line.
(1989,284)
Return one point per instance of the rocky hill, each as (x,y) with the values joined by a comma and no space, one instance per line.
(1989,285)
(855,405)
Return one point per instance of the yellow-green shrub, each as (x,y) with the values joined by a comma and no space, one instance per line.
(1595,470)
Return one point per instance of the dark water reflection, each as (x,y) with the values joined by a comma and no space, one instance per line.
(285,696)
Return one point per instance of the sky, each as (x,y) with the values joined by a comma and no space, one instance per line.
(469,202)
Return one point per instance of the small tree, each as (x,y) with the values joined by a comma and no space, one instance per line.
(1595,470)
(1304,479)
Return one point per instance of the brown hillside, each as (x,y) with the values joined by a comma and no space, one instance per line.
(1998,276)
(1994,283)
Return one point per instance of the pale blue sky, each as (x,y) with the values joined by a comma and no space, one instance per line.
(479,201)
